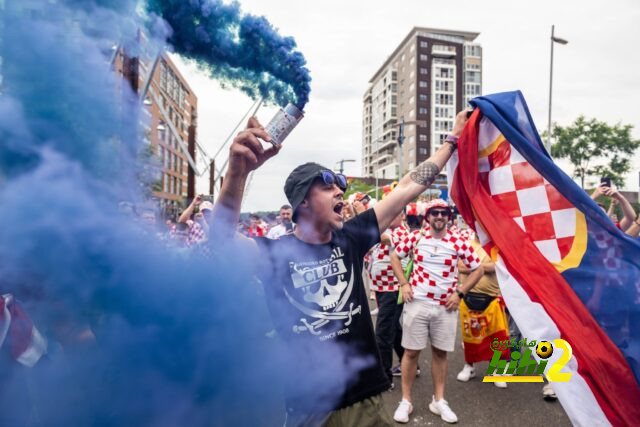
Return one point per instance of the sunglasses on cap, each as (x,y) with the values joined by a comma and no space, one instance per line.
(439,212)
(331,178)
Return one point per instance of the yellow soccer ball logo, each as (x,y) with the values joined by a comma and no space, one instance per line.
(544,349)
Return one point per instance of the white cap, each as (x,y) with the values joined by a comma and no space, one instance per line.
(206,205)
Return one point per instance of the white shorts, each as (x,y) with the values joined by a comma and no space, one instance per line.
(423,321)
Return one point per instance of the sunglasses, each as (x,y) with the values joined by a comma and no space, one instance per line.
(331,178)
(438,212)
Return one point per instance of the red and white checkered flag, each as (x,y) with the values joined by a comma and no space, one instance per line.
(27,344)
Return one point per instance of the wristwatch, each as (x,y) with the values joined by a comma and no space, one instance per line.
(453,140)
(460,294)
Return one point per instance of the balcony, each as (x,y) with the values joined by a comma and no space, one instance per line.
(384,145)
(441,50)
(383,158)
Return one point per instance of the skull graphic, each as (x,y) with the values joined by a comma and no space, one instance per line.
(327,295)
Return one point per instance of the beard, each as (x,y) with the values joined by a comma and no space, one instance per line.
(438,226)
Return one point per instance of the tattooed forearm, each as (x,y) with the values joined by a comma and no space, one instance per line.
(425,173)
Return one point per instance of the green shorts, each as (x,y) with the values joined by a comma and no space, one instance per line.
(369,412)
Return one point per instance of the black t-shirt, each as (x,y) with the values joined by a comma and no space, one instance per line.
(320,309)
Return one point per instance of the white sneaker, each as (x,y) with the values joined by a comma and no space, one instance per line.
(468,372)
(548,393)
(441,407)
(500,384)
(374,312)
(405,408)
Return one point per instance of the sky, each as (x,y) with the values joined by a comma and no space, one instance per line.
(345,42)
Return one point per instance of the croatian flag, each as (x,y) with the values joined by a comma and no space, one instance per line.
(27,344)
(564,269)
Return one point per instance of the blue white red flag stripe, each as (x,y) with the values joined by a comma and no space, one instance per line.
(561,263)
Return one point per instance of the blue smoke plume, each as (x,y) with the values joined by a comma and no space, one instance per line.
(138,333)
(243,50)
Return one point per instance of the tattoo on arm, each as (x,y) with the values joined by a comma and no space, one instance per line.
(425,173)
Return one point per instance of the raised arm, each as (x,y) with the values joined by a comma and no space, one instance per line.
(634,230)
(186,214)
(627,209)
(245,155)
(417,180)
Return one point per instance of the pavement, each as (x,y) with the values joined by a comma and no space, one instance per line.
(474,402)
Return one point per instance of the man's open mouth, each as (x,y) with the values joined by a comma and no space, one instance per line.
(338,208)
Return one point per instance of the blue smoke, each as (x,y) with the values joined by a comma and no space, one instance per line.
(138,333)
(243,50)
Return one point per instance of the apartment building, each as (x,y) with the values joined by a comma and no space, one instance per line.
(431,75)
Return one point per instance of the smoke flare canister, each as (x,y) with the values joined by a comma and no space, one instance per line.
(283,123)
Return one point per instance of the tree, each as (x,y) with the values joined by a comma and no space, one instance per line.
(595,148)
(357,186)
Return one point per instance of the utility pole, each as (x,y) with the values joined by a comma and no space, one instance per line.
(558,40)
(401,126)
(342,162)
(212,176)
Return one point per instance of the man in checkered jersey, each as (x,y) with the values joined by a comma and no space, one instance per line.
(431,302)
(385,285)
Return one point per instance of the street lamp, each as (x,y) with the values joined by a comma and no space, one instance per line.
(554,39)
(401,137)
(342,162)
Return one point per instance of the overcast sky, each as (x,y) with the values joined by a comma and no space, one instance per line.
(345,42)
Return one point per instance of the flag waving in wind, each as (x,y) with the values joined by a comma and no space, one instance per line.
(565,270)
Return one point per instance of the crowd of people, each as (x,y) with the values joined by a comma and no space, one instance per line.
(421,264)
(327,256)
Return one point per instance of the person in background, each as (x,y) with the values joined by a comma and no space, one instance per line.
(431,298)
(385,285)
(614,194)
(255,227)
(198,225)
(286,224)
(483,294)
(634,230)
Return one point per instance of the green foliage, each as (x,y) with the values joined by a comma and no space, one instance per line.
(357,186)
(595,149)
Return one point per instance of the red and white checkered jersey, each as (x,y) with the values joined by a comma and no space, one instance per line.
(196,234)
(435,263)
(380,271)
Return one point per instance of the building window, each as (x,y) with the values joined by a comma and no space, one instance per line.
(422,83)
(443,99)
(424,70)
(423,57)
(422,151)
(422,111)
(422,137)
(424,44)
(423,97)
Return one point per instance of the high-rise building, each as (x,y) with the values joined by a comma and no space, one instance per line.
(417,91)
(172,122)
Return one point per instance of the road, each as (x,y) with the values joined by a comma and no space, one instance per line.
(477,403)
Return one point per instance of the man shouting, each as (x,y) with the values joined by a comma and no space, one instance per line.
(313,280)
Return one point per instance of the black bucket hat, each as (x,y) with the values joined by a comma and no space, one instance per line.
(299,182)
